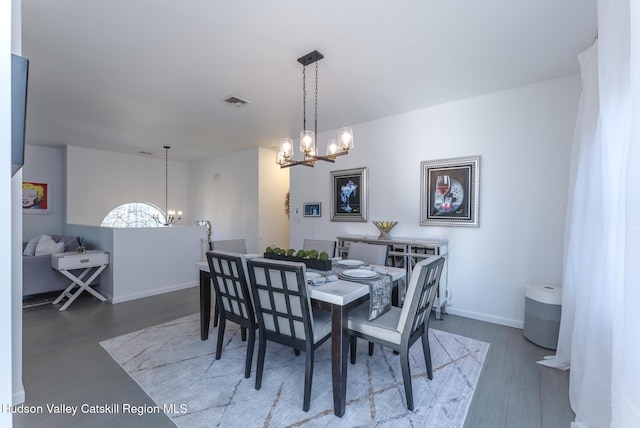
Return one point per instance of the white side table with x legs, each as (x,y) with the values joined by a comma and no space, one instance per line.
(89,260)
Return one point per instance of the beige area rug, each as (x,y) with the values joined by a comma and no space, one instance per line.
(180,373)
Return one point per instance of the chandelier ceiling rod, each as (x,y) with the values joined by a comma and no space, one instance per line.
(170,216)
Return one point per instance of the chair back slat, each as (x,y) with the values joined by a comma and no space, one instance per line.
(421,293)
(232,245)
(228,274)
(315,244)
(280,294)
(375,254)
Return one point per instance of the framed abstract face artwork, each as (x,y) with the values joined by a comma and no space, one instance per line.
(449,192)
(35,198)
(349,195)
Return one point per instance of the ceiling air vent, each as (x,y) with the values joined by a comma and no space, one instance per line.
(236,101)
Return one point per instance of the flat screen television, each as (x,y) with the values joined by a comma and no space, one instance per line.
(19,80)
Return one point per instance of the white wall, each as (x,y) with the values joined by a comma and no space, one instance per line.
(523,137)
(239,196)
(98,181)
(12,389)
(273,182)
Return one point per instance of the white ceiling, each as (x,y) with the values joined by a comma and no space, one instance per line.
(134,75)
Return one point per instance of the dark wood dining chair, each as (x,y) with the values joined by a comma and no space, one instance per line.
(233,299)
(234,246)
(400,328)
(285,315)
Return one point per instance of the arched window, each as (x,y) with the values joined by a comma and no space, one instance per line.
(133,214)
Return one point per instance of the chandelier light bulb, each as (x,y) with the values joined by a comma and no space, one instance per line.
(307,142)
(332,147)
(346,138)
(286,147)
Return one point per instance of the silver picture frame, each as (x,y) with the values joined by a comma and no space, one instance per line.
(312,209)
(450,192)
(349,195)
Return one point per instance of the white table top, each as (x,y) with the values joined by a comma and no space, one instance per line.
(77,254)
(336,292)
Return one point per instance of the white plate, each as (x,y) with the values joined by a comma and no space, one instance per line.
(312,275)
(252,256)
(350,262)
(359,273)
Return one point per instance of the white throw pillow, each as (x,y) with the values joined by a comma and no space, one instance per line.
(30,249)
(46,245)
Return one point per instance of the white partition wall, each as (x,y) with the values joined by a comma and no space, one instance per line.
(145,261)
(151,261)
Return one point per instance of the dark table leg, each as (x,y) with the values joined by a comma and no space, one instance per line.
(339,349)
(205,304)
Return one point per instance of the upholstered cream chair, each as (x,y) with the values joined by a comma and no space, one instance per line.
(369,253)
(233,245)
(399,328)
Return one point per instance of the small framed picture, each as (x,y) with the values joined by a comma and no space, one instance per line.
(450,192)
(36,198)
(349,195)
(312,209)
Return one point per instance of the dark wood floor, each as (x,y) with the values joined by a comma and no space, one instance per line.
(64,364)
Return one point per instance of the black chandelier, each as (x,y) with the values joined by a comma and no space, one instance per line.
(335,147)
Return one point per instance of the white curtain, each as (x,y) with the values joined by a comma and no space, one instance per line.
(600,327)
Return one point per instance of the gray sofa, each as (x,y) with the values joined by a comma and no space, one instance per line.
(39,277)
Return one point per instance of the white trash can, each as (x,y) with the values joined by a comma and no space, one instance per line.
(542,309)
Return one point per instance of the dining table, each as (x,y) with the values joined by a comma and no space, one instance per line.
(338,297)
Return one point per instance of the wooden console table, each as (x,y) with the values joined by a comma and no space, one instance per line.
(406,252)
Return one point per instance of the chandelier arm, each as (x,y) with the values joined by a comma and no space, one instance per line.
(328,158)
(306,162)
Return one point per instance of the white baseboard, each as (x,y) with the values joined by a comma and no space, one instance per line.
(155,292)
(485,317)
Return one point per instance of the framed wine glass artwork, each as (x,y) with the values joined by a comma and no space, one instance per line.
(450,189)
